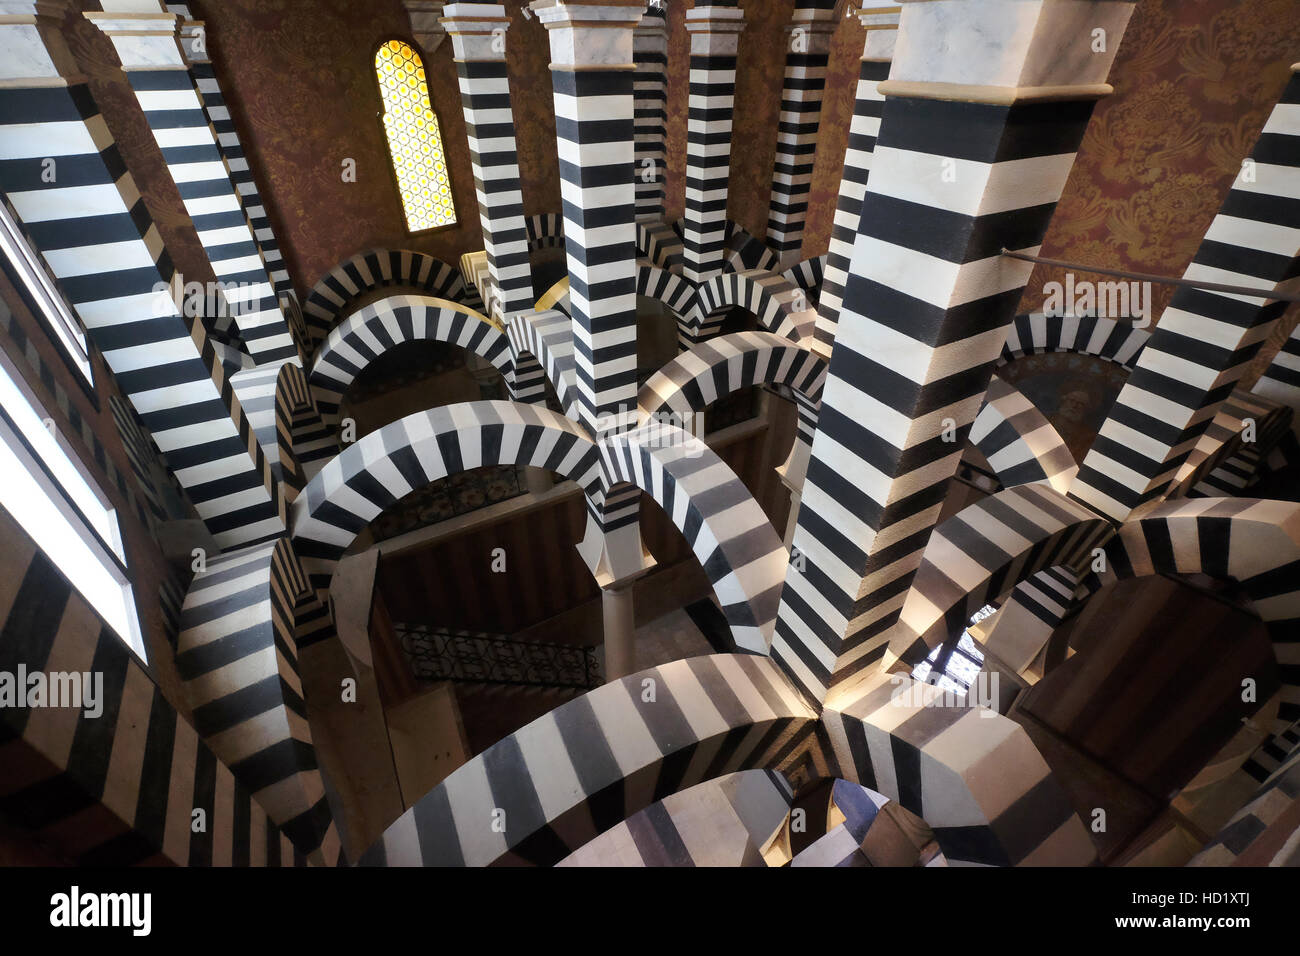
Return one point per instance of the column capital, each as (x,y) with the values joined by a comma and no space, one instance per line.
(33,49)
(426,25)
(879,18)
(813,20)
(590,35)
(193,39)
(1039,50)
(143,40)
(715,20)
(881,25)
(473,28)
(652,28)
(17,11)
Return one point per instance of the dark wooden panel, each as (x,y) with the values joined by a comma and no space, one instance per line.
(1156,690)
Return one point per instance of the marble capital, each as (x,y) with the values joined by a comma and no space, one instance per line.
(474,29)
(1022,45)
(590,36)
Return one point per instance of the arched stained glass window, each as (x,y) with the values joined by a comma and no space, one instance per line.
(414,140)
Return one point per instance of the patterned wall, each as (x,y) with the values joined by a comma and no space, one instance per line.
(304,97)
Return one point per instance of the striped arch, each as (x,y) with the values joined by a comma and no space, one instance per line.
(740,552)
(591,763)
(305,442)
(1236,469)
(722,365)
(374,329)
(1254,542)
(546,338)
(377,269)
(237,653)
(748,253)
(973,775)
(1019,442)
(556,297)
(1223,463)
(386,465)
(674,291)
(981,553)
(1263,831)
(772,299)
(808,275)
(545,231)
(1033,334)
(661,244)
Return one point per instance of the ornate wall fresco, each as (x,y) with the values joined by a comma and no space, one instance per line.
(1075,392)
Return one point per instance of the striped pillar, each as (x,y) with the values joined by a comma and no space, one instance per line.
(715,35)
(478,36)
(807,52)
(1281,380)
(882,30)
(63,176)
(1205,340)
(977,137)
(650,88)
(194,41)
(146,43)
(592,73)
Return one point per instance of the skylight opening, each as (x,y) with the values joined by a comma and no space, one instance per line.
(67,517)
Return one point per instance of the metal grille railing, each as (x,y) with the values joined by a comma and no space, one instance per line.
(439,653)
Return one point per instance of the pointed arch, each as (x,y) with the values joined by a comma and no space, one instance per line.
(414,138)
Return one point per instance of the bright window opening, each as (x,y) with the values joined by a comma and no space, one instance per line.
(414,141)
(36,283)
(49,494)
(954,666)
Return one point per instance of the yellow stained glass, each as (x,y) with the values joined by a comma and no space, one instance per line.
(414,141)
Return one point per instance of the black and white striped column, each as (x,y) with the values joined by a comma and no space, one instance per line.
(650,53)
(194,40)
(478,36)
(592,73)
(1205,340)
(807,53)
(146,43)
(1281,380)
(977,137)
(878,51)
(62,174)
(715,36)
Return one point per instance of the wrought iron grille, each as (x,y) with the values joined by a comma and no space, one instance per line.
(439,653)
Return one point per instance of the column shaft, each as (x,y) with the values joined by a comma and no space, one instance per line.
(650,53)
(592,73)
(478,33)
(619,616)
(194,47)
(715,34)
(878,50)
(974,150)
(1205,340)
(157,72)
(808,50)
(93,230)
